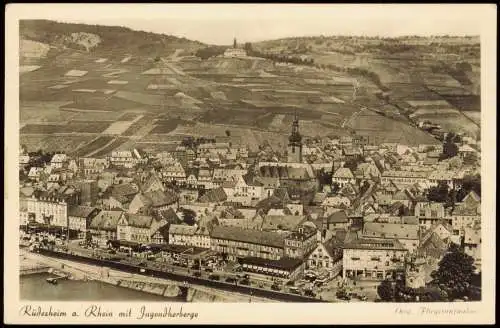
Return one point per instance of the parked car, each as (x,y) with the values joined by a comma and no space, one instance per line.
(290,283)
(275,287)
(214,277)
(309,292)
(197,274)
(230,280)
(209,269)
(245,281)
(294,290)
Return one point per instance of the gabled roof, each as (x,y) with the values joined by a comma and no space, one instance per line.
(106,220)
(214,196)
(338,217)
(170,216)
(182,229)
(81,211)
(161,198)
(139,221)
(343,172)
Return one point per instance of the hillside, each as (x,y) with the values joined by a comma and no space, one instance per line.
(104,39)
(100,88)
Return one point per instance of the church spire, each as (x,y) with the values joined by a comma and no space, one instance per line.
(235,44)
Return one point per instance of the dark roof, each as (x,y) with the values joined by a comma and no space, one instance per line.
(161,198)
(139,221)
(124,189)
(81,211)
(285,263)
(338,217)
(248,236)
(170,216)
(214,196)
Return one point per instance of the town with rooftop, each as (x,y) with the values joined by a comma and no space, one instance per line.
(325,184)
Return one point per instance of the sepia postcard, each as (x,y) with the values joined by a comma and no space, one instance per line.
(250,163)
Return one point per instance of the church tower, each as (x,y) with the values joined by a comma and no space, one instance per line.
(295,143)
(235,44)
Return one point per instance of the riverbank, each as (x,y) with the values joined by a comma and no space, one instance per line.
(150,285)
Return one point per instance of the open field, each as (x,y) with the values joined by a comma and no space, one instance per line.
(252,97)
(54,143)
(92,146)
(110,147)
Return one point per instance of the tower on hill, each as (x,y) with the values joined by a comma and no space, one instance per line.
(235,44)
(295,143)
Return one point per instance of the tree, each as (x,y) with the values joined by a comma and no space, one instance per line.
(469,183)
(450,149)
(188,216)
(386,291)
(228,133)
(438,194)
(454,273)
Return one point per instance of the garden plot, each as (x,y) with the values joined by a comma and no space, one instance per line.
(161,87)
(101,60)
(159,71)
(53,143)
(277,122)
(428,103)
(474,116)
(115,72)
(140,98)
(433,111)
(106,150)
(76,73)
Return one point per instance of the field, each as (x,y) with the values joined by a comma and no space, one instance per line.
(91,147)
(254,98)
(112,146)
(54,143)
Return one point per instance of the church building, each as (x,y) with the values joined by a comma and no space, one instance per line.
(295,143)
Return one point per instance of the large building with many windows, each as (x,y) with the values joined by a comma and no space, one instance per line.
(374,259)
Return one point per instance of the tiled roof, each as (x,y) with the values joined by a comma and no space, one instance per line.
(214,196)
(80,211)
(182,229)
(337,217)
(139,221)
(282,222)
(161,198)
(391,230)
(249,236)
(343,172)
(106,220)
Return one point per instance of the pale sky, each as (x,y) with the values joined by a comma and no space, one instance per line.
(220,23)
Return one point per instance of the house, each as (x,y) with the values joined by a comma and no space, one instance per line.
(337,220)
(327,256)
(79,218)
(300,242)
(181,234)
(286,268)
(336,202)
(282,222)
(465,150)
(242,190)
(472,244)
(121,195)
(237,243)
(103,226)
(375,259)
(429,213)
(58,161)
(404,177)
(343,176)
(216,195)
(472,200)
(462,217)
(152,183)
(367,171)
(138,228)
(153,201)
(35,173)
(437,176)
(407,234)
(51,209)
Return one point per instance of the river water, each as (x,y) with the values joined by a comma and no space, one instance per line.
(34,288)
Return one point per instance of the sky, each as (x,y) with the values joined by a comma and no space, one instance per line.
(220,23)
